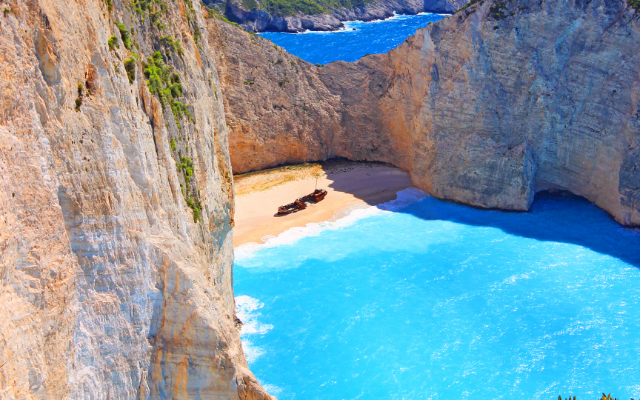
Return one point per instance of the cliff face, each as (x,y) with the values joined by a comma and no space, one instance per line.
(116,252)
(116,200)
(278,109)
(260,19)
(491,105)
(503,100)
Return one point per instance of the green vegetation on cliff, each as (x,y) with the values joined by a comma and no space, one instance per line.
(469,4)
(130,67)
(283,8)
(165,84)
(126,36)
(292,7)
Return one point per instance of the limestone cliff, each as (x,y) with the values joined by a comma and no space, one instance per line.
(116,206)
(278,109)
(486,107)
(117,203)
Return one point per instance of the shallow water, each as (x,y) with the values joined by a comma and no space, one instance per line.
(442,301)
(349,45)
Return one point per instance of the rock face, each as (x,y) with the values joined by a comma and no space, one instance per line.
(486,107)
(259,20)
(117,204)
(115,263)
(278,109)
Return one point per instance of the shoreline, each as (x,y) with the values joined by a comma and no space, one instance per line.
(349,186)
(344,28)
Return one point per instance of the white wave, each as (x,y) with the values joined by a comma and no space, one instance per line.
(246,308)
(404,198)
(345,28)
(512,279)
(395,16)
(272,389)
(251,352)
(246,311)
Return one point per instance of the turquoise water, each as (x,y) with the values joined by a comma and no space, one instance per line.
(349,45)
(441,301)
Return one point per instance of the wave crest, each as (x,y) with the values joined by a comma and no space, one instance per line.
(247,311)
(404,199)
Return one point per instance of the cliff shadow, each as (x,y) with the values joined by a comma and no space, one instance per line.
(370,182)
(554,217)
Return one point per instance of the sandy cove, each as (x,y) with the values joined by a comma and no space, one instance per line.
(348,184)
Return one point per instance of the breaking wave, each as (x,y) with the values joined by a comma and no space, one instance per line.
(404,199)
(247,311)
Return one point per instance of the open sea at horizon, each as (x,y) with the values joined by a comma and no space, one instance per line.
(348,44)
(424,299)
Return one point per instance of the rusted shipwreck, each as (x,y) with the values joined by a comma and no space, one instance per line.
(301,203)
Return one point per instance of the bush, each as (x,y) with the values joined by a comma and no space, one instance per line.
(186,167)
(604,397)
(195,207)
(469,4)
(250,4)
(169,43)
(130,67)
(166,85)
(213,13)
(309,7)
(635,4)
(113,42)
(497,11)
(79,98)
(293,7)
(126,36)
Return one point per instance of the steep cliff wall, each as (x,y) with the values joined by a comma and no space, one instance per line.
(503,100)
(493,104)
(116,212)
(277,108)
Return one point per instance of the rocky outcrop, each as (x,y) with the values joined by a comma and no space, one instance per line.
(486,107)
(502,100)
(277,108)
(116,212)
(260,20)
(117,203)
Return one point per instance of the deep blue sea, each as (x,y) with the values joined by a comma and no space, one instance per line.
(442,301)
(424,299)
(349,45)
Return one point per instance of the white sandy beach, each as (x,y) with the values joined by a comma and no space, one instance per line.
(348,185)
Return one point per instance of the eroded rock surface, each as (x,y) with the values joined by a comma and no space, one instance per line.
(115,262)
(278,109)
(486,107)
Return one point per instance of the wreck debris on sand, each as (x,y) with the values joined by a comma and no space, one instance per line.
(300,204)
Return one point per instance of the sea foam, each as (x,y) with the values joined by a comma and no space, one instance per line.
(247,311)
(404,198)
